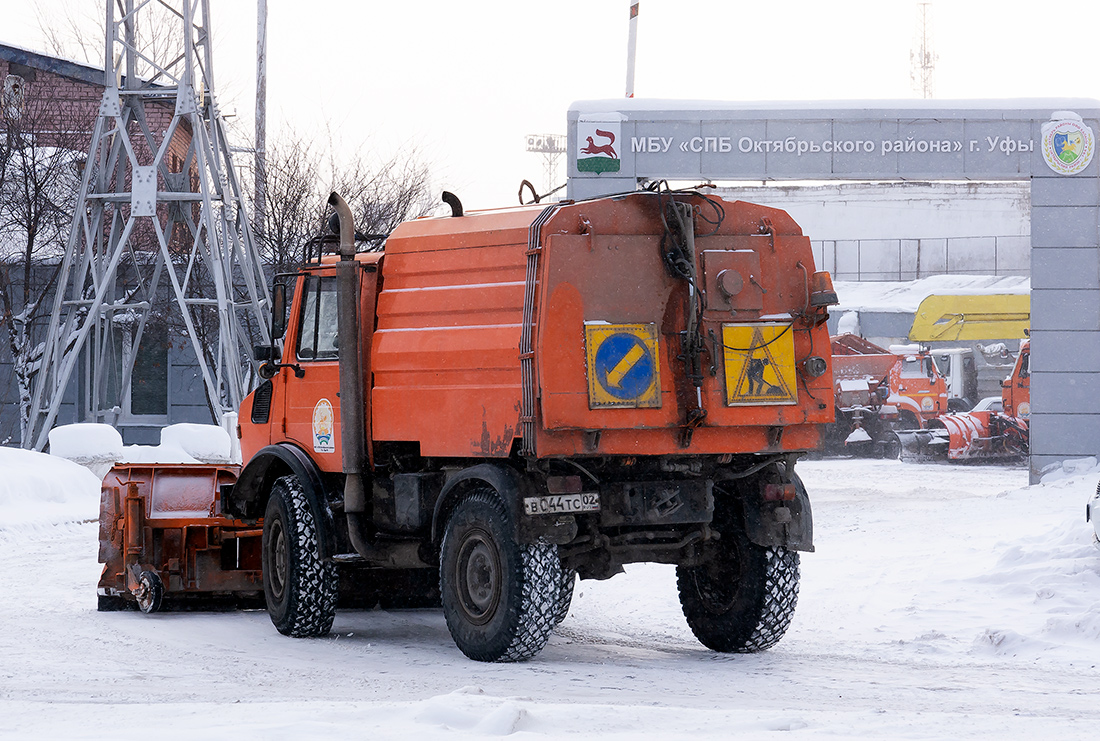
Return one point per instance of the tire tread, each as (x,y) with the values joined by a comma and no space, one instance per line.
(313,583)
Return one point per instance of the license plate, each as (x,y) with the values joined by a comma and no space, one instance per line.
(562,504)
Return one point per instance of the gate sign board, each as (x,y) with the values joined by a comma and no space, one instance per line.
(617,145)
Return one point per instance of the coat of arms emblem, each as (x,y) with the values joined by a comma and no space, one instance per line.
(1068,143)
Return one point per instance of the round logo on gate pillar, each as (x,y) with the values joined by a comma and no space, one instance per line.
(1068,143)
(623,368)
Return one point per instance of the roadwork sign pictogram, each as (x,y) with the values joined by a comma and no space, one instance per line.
(759,363)
(623,365)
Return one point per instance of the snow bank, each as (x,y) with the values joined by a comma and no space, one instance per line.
(207,443)
(99,446)
(184,443)
(94,446)
(1049,580)
(37,490)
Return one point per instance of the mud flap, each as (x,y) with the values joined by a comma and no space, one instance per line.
(784,523)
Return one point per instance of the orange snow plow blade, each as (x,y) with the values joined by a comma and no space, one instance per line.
(164,543)
(967,436)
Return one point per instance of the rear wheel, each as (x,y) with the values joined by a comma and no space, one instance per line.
(299,587)
(743,599)
(499,597)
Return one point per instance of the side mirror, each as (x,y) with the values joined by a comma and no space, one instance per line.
(278,310)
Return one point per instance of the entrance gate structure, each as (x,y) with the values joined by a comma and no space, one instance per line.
(619,145)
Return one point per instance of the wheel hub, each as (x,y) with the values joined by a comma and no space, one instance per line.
(718,582)
(478,568)
(278,559)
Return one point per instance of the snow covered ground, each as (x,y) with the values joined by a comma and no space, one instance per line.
(942,602)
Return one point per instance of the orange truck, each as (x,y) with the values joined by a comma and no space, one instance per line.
(864,421)
(501,401)
(984,433)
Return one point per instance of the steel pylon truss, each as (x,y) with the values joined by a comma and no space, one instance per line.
(157,213)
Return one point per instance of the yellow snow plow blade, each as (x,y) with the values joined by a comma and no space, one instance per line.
(1002,316)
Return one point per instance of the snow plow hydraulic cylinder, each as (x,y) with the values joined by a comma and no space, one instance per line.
(135,521)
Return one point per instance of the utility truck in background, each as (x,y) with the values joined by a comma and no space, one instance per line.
(501,401)
(988,434)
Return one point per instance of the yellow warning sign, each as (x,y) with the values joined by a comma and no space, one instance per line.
(623,366)
(759,362)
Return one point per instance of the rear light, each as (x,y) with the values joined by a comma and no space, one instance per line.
(821,289)
(779,492)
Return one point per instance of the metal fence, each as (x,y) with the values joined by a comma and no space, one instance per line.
(910,259)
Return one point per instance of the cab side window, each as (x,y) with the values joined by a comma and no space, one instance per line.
(317,338)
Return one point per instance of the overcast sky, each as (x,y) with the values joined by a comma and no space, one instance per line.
(464,82)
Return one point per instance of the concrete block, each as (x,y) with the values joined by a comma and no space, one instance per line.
(1064,309)
(1066,393)
(1065,435)
(1057,268)
(1056,351)
(1079,190)
(1065,226)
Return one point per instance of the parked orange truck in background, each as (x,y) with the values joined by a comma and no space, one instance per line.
(504,400)
(979,434)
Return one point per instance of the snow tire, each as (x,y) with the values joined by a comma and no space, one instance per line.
(741,601)
(565,595)
(299,587)
(499,597)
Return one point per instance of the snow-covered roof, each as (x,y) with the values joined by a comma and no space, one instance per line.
(905,297)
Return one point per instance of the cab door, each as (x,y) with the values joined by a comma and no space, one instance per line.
(312,400)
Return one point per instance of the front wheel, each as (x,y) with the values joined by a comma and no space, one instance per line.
(299,587)
(499,597)
(743,599)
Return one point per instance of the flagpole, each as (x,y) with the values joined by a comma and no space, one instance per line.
(631,48)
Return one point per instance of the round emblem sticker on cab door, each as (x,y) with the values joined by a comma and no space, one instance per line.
(323,423)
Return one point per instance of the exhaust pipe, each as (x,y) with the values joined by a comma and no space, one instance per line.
(352,423)
(452,200)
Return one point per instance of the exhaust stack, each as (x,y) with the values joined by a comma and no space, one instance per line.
(352,424)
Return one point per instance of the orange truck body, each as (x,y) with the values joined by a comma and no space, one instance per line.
(445,374)
(587,384)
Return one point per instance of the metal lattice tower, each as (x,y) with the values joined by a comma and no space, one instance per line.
(154,214)
(923,57)
(551,147)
